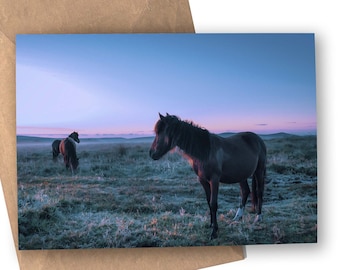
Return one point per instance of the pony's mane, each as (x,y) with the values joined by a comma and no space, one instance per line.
(191,138)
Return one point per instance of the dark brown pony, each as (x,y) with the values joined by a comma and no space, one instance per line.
(55,145)
(216,159)
(67,148)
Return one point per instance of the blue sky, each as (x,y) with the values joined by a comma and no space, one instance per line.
(117,83)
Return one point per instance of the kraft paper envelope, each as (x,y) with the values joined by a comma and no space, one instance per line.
(82,16)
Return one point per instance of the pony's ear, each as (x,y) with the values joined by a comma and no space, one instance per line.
(167,114)
(161,116)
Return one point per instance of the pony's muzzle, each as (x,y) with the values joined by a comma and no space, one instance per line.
(153,154)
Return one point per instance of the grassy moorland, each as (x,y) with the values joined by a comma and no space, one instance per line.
(121,198)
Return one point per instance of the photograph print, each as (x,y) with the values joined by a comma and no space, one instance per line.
(165,140)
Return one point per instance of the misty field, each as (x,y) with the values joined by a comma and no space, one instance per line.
(122,198)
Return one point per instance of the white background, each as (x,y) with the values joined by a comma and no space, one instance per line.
(298,16)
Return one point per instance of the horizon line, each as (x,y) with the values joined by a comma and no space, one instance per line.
(144,135)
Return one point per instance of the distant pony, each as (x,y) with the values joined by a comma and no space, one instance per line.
(55,145)
(67,147)
(215,160)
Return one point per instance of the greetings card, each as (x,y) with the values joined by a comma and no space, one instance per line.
(165,140)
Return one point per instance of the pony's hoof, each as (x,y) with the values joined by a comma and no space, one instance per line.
(213,236)
(238,215)
(214,233)
(258,218)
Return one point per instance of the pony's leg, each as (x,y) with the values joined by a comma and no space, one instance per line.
(71,166)
(259,179)
(55,155)
(214,184)
(206,186)
(244,196)
(254,199)
(66,161)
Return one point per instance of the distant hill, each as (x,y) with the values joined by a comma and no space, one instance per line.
(279,135)
(116,140)
(226,134)
(148,139)
(35,139)
(32,139)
